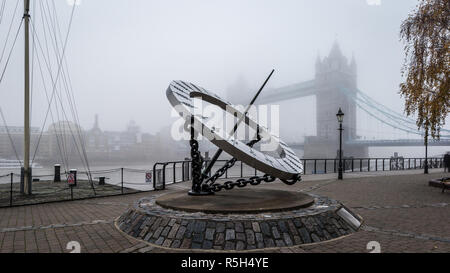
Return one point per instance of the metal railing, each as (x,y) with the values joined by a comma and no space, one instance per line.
(166,172)
(128,180)
(322,166)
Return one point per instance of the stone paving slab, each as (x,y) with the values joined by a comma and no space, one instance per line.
(400,210)
(49,191)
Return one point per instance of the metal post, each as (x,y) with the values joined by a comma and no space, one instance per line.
(376,164)
(315,166)
(325,168)
(164,176)
(188,171)
(11,190)
(368,165)
(340,176)
(242,170)
(352,165)
(425,171)
(154,176)
(360,164)
(26,157)
(121,179)
(383,164)
(182,171)
(174,172)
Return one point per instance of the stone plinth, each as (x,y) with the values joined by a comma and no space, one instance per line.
(237,201)
(205,224)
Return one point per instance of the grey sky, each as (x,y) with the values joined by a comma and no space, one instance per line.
(123,54)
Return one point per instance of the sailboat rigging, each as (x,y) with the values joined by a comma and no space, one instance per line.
(60,80)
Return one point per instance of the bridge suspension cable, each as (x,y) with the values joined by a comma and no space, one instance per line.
(388,116)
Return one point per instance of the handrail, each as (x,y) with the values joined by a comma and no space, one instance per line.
(168,172)
(318,165)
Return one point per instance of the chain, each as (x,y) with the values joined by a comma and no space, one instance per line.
(292,181)
(229,164)
(210,186)
(197,163)
(240,183)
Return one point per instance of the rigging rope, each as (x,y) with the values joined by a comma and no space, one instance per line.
(57,76)
(1,79)
(60,82)
(51,112)
(9,31)
(2,11)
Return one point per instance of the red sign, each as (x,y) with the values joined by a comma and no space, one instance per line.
(71,179)
(148,177)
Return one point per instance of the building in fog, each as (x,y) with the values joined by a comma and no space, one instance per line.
(14,141)
(335,74)
(132,144)
(67,142)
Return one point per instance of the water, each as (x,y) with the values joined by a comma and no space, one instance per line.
(134,175)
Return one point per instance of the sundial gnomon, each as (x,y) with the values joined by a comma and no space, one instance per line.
(282,164)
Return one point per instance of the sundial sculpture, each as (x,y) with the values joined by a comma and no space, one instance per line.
(284,165)
(271,217)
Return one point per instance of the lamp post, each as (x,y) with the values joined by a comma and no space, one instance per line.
(340,118)
(425,167)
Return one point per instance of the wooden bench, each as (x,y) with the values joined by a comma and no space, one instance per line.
(443,183)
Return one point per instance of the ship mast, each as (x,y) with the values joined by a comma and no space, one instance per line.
(26,158)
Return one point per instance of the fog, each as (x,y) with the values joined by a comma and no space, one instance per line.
(122,55)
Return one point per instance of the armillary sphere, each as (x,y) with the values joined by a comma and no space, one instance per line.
(282,163)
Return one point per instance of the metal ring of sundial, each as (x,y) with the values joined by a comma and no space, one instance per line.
(287,166)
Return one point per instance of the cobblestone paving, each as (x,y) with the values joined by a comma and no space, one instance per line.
(400,211)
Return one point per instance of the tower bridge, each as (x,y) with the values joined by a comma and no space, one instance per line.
(335,86)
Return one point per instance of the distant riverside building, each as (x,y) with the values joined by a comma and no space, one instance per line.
(133,145)
(16,136)
(61,142)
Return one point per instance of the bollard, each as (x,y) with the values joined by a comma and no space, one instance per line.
(57,177)
(101,180)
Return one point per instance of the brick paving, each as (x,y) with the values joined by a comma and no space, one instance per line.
(49,191)
(400,211)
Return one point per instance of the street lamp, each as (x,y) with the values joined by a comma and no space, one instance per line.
(425,167)
(340,118)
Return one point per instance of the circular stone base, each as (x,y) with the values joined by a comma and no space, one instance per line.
(238,201)
(277,226)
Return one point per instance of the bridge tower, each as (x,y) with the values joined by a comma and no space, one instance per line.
(333,74)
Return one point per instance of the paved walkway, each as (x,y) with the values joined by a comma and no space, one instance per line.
(401,212)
